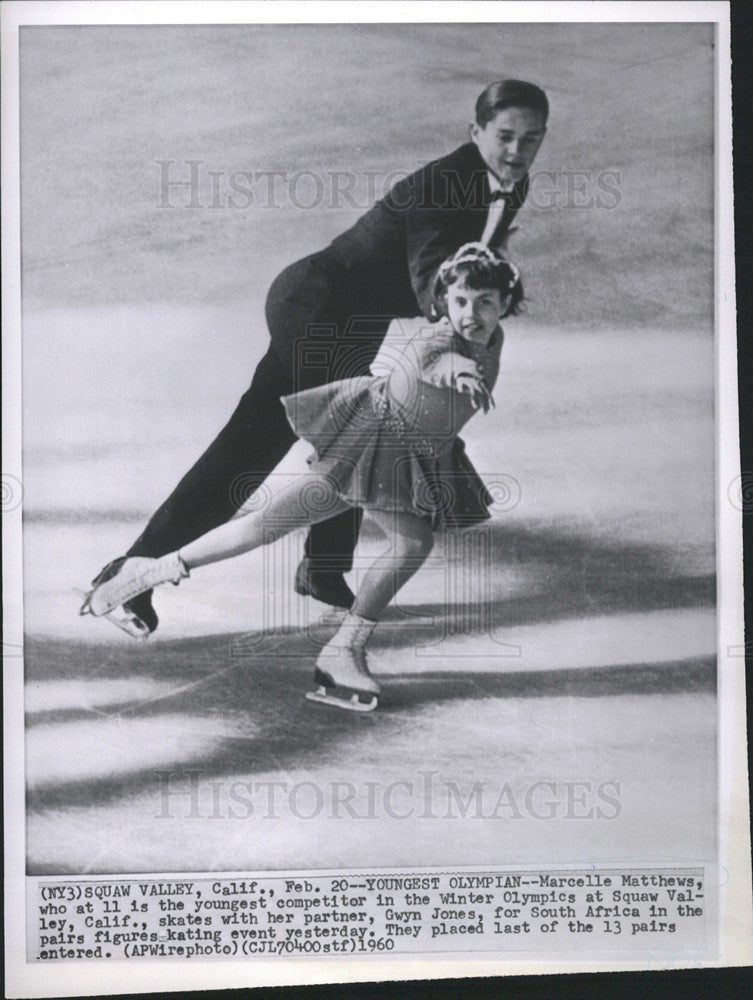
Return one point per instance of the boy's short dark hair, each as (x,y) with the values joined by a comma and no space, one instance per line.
(478,267)
(510,94)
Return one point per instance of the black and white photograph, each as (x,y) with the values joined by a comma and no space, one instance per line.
(370,490)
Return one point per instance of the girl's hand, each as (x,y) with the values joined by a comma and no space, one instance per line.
(480,396)
(449,367)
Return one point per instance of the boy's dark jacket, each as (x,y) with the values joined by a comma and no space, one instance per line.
(392,252)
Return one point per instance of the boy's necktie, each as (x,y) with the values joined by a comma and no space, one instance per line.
(496,210)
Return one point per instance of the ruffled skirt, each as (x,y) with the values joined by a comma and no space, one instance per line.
(374,459)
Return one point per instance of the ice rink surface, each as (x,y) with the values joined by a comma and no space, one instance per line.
(549,679)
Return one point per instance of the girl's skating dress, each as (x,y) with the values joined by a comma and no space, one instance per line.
(385,441)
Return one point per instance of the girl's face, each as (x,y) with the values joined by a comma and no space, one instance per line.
(474,312)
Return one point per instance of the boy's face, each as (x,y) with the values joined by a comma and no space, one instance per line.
(474,312)
(510,141)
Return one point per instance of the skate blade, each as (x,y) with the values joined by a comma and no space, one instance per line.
(350,704)
(126,621)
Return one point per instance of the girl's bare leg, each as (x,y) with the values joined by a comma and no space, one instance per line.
(307,500)
(410,542)
(342,663)
(310,498)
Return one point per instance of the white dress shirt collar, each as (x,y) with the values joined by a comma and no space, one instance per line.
(495,184)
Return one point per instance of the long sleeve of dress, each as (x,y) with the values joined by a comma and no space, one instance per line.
(410,351)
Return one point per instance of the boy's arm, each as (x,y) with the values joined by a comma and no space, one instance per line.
(427,247)
(398,342)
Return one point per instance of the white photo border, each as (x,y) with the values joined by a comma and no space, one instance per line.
(736,924)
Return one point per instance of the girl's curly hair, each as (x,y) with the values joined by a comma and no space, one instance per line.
(479,267)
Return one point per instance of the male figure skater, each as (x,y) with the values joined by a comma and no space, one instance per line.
(327,315)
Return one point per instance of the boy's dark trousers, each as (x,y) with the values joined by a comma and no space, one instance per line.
(326,321)
(318,335)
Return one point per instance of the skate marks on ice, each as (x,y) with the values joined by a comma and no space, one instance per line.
(102,775)
(252,717)
(108,727)
(615,639)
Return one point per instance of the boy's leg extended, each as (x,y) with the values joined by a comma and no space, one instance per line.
(410,540)
(321,335)
(254,440)
(306,297)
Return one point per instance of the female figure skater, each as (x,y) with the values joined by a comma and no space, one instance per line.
(381,442)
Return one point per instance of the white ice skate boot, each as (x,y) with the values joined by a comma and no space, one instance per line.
(134,577)
(341,671)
